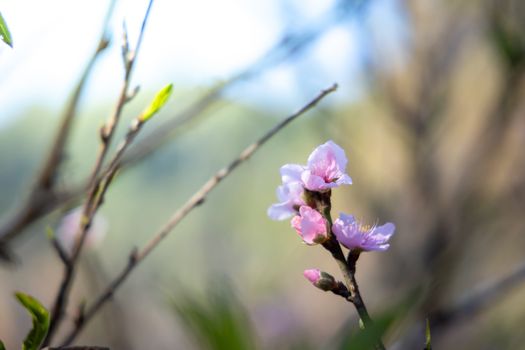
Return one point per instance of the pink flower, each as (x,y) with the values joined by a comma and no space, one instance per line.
(289,193)
(354,235)
(320,279)
(68,230)
(326,168)
(310,225)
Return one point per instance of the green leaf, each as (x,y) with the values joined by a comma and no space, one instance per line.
(2,346)
(509,44)
(40,321)
(50,234)
(158,102)
(4,32)
(428,337)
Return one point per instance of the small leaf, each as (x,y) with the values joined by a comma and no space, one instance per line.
(4,32)
(158,102)
(428,337)
(2,346)
(40,321)
(50,234)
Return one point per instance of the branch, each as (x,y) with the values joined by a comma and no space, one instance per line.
(96,191)
(464,308)
(478,299)
(137,256)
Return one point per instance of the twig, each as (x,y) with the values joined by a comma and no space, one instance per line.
(322,202)
(465,307)
(94,198)
(62,254)
(477,300)
(198,198)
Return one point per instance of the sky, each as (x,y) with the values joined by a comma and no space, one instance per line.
(192,44)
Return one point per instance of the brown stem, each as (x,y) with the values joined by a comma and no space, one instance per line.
(323,204)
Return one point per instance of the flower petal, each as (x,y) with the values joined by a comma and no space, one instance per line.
(291,173)
(339,154)
(280,211)
(344,180)
(313,182)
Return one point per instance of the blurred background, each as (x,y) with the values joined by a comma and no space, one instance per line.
(430,112)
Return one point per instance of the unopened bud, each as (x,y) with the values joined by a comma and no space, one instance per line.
(69,228)
(320,279)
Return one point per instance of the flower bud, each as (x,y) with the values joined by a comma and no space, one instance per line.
(68,230)
(310,225)
(320,279)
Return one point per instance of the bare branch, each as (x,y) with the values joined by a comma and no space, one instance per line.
(61,252)
(479,299)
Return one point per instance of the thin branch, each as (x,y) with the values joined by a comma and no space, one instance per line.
(61,252)
(137,256)
(464,308)
(478,299)
(94,198)
(115,163)
(322,202)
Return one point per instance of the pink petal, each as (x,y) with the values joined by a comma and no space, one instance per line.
(291,173)
(280,211)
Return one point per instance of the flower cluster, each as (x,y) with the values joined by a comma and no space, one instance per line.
(306,188)
(305,196)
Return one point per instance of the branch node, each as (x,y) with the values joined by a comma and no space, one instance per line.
(62,254)
(133,93)
(134,256)
(104,134)
(103,44)
(79,319)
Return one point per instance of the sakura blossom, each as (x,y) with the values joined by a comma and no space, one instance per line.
(354,235)
(326,168)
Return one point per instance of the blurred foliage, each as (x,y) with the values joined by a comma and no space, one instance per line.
(216,321)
